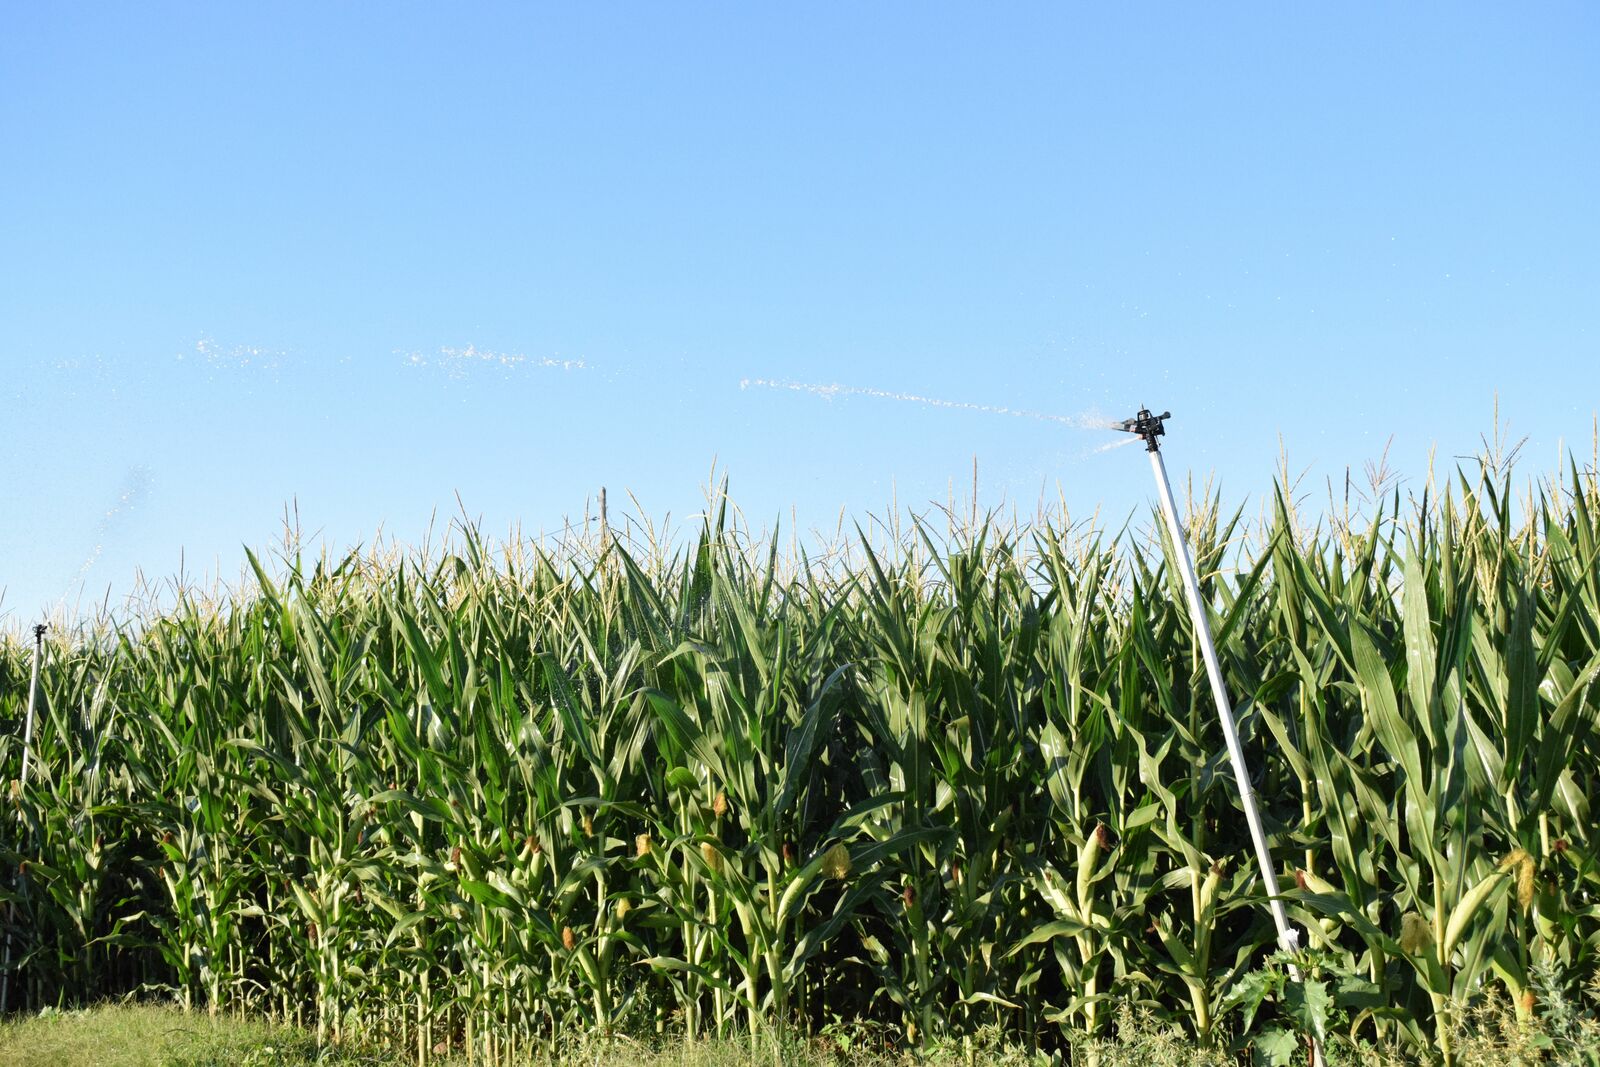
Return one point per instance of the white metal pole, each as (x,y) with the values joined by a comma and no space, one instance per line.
(33,690)
(1288,937)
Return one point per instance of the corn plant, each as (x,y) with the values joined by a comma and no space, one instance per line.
(476,800)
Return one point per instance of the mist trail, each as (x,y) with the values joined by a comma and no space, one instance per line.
(1089,420)
(457,363)
(220,357)
(136,486)
(1109,445)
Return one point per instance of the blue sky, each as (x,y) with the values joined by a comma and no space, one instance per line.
(275,252)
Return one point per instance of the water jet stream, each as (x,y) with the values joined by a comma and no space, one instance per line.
(1085,421)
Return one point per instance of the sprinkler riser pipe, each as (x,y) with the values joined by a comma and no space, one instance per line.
(33,690)
(1288,939)
(1230,732)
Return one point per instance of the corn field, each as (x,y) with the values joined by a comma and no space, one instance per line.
(477,799)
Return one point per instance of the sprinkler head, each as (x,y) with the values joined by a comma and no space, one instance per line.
(1147,426)
(38,631)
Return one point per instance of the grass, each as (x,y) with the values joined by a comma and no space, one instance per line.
(149,1035)
(164,1035)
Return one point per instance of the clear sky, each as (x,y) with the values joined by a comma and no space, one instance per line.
(255,253)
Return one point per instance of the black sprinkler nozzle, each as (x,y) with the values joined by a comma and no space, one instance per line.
(1147,426)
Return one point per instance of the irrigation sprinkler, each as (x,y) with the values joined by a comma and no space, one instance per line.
(27,746)
(1150,427)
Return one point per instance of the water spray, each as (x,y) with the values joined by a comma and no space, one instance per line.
(1150,427)
(27,746)
(1085,421)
